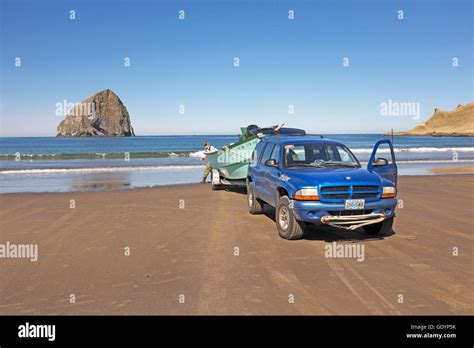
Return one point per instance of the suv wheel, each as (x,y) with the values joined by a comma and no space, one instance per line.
(381,228)
(254,204)
(287,224)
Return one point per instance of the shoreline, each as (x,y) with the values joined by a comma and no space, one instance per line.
(208,184)
(191,184)
(77,182)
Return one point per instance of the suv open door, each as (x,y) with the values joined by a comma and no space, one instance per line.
(382,166)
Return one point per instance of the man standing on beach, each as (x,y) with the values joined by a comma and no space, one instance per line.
(208,148)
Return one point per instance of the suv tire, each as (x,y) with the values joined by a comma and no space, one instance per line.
(381,228)
(287,225)
(254,204)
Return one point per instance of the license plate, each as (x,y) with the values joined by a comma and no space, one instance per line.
(354,204)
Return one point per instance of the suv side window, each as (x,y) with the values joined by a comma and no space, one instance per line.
(276,153)
(259,153)
(266,153)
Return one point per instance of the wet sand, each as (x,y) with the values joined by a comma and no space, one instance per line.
(183,240)
(454,170)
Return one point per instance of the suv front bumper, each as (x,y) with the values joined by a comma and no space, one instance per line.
(334,214)
(351,222)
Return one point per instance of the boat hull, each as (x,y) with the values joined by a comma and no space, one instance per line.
(232,162)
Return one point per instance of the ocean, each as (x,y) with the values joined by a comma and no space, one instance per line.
(50,164)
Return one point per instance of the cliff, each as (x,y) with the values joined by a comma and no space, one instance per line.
(458,122)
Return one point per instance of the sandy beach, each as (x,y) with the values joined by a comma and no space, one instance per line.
(197,251)
(454,170)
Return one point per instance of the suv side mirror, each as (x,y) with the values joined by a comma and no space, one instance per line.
(271,163)
(380,162)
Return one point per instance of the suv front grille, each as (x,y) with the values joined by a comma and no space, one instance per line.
(334,188)
(364,195)
(365,188)
(337,194)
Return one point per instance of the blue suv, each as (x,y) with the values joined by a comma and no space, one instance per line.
(310,179)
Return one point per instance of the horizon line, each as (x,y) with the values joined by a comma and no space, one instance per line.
(163,135)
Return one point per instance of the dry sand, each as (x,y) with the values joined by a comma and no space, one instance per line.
(190,251)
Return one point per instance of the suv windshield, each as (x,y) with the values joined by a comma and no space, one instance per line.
(318,155)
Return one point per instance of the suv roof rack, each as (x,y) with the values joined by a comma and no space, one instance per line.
(281,131)
(316,135)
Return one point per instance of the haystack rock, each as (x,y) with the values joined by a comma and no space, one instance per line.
(103,114)
(458,122)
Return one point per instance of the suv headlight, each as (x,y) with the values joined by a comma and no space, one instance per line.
(389,192)
(307,194)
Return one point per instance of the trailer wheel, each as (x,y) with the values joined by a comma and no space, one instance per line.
(216,187)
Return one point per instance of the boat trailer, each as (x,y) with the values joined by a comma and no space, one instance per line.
(218,180)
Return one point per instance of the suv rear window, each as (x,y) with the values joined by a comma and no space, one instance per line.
(256,152)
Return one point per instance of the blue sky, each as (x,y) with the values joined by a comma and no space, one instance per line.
(282,62)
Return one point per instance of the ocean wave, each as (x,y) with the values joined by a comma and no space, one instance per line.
(200,154)
(425,161)
(417,150)
(197,154)
(95,155)
(91,170)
